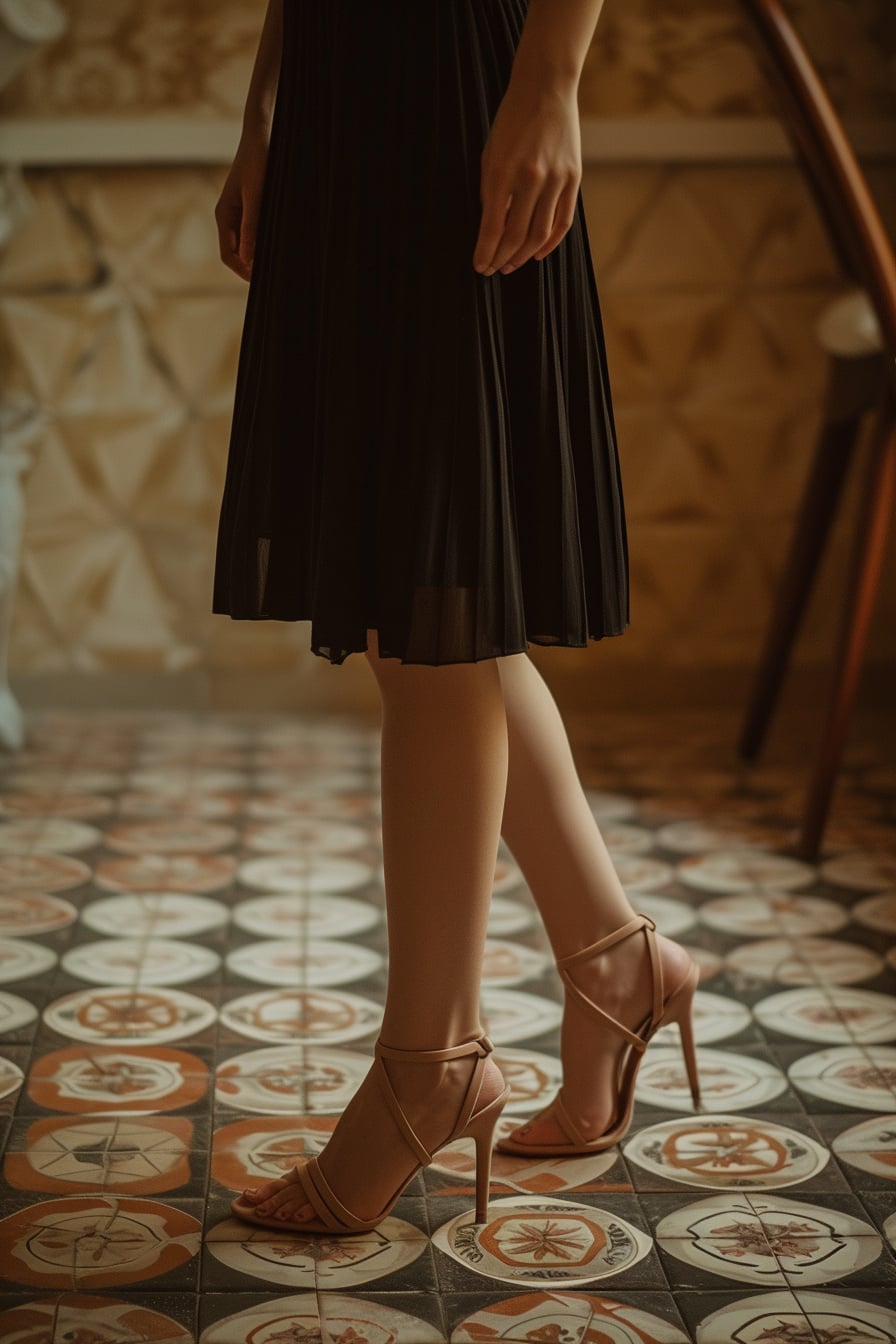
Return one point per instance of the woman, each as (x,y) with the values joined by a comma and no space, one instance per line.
(423,463)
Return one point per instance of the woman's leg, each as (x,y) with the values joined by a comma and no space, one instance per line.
(443,777)
(551,832)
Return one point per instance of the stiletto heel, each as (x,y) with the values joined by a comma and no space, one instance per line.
(482,1130)
(674,1007)
(685,1020)
(332,1214)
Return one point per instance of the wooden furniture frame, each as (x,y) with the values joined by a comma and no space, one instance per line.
(859,382)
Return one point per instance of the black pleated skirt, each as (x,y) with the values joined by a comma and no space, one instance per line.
(415,448)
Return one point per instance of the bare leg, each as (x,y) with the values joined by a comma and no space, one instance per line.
(444,776)
(551,832)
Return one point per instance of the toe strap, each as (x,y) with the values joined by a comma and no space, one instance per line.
(329,1208)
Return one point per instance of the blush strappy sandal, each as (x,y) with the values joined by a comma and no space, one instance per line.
(676,1007)
(332,1214)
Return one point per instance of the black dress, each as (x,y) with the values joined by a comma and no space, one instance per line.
(415,447)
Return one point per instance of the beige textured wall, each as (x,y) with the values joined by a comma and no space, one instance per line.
(119,330)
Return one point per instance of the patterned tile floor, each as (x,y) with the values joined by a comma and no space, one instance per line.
(191,974)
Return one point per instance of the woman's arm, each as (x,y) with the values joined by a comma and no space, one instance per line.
(259,109)
(532,159)
(236,212)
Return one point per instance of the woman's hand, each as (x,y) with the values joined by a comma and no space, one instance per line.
(236,212)
(531,172)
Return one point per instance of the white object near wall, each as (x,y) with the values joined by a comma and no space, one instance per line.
(25,26)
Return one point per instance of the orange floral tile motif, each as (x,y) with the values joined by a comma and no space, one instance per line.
(95,1241)
(82,1079)
(113,1154)
(266,1147)
(41,872)
(150,1014)
(557,1316)
(90,1319)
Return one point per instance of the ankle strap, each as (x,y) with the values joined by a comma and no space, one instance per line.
(481,1046)
(656,978)
(639,922)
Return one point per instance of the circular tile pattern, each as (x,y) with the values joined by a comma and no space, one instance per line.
(11,1077)
(171,836)
(530,1175)
(163,914)
(41,872)
(877,912)
(715,1018)
(319,873)
(507,963)
(860,871)
(727,1152)
(143,961)
(564,1317)
(96,1241)
(143,1080)
(73,781)
(835,1014)
(853,1076)
(768,1240)
(764,914)
(303,1017)
(291,1080)
(337,1317)
(639,873)
(296,1258)
(283,807)
(82,1316)
(28,912)
(743,869)
(727,1080)
(112,1015)
(869,1146)
(535,1241)
(15,1013)
(311,834)
(23,960)
(204,806)
(805,961)
(266,1148)
(506,917)
(78,806)
(622,837)
(303,915)
(140,1157)
(813,1316)
(156,872)
(319,961)
(513,1015)
(693,837)
(172,783)
(670,917)
(47,833)
(607,807)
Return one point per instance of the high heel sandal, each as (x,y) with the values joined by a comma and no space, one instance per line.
(333,1216)
(674,1008)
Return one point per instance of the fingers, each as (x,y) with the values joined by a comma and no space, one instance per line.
(495,198)
(231,248)
(564,214)
(540,213)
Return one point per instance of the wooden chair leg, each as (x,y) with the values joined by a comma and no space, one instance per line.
(824,486)
(869,547)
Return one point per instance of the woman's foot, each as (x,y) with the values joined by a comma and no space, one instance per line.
(366,1158)
(619,981)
